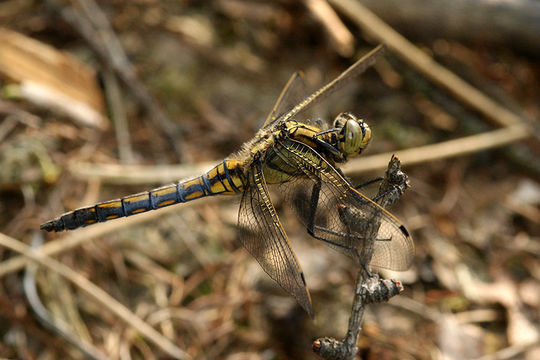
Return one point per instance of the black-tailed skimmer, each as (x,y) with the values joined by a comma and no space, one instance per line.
(296,153)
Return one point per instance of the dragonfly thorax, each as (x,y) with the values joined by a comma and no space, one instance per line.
(354,135)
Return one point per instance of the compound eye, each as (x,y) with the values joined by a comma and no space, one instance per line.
(355,136)
(351,138)
(353,130)
(366,138)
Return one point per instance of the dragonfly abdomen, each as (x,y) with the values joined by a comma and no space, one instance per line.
(224,178)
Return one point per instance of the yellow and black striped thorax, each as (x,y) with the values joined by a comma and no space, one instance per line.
(304,133)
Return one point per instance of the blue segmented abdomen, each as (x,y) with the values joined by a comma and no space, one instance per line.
(224,178)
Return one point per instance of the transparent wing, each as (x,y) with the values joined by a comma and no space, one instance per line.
(293,93)
(336,213)
(354,70)
(263,236)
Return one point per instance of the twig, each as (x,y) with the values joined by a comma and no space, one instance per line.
(97,294)
(442,150)
(98,33)
(368,288)
(138,174)
(380,31)
(46,318)
(341,38)
(119,118)
(104,30)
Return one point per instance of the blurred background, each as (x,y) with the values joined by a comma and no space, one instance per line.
(100,100)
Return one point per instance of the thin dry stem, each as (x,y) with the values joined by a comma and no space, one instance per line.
(341,38)
(139,174)
(398,44)
(97,294)
(119,117)
(458,147)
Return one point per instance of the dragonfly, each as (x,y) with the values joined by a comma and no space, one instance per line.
(300,155)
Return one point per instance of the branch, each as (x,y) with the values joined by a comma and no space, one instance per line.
(369,288)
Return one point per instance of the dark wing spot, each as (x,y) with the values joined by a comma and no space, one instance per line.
(404,231)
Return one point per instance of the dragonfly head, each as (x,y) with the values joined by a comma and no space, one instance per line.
(354,135)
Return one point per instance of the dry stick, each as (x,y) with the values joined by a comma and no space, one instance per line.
(113,55)
(379,30)
(121,63)
(79,237)
(99,21)
(137,174)
(368,288)
(119,117)
(446,149)
(118,174)
(97,294)
(47,319)
(341,38)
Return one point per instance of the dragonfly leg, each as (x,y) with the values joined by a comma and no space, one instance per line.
(399,188)
(333,243)
(369,182)
(327,146)
(327,131)
(340,234)
(348,249)
(376,198)
(311,227)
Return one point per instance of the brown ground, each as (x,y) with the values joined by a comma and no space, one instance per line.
(215,70)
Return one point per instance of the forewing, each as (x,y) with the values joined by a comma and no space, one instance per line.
(263,236)
(293,93)
(344,78)
(295,101)
(346,231)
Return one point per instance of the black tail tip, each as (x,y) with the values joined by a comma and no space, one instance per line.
(53,225)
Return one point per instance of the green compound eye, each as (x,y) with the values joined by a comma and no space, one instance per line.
(354,136)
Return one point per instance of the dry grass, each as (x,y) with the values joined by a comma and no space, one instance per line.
(182,280)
